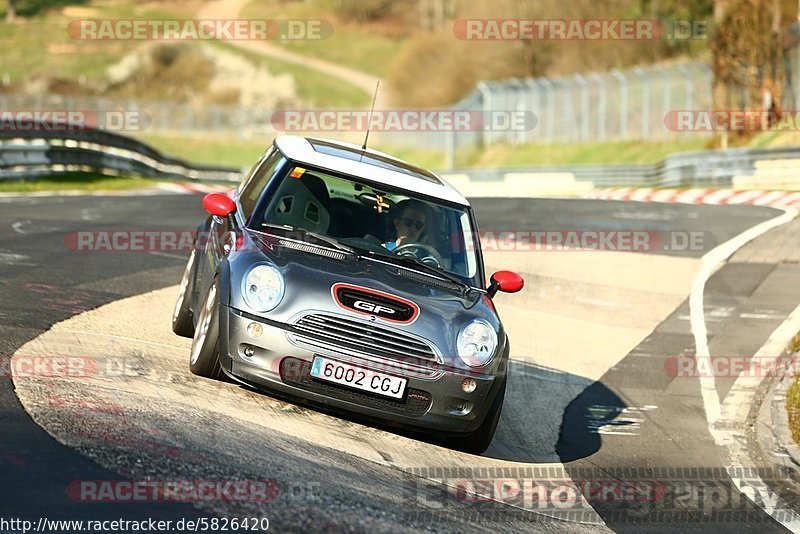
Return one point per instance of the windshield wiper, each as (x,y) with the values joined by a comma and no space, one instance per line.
(429,269)
(319,237)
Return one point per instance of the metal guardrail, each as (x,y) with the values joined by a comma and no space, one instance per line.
(703,168)
(27,155)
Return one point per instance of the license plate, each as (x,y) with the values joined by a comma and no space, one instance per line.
(355,377)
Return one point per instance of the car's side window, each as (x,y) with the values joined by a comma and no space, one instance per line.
(257,167)
(251,190)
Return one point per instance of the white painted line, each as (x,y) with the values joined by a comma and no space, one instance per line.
(169,255)
(174,188)
(17,226)
(709,263)
(725,425)
(596,302)
(758,316)
(729,431)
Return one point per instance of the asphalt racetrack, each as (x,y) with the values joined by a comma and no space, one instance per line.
(594,394)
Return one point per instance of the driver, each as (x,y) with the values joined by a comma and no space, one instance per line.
(408,223)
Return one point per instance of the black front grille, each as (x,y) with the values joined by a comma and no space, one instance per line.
(375,304)
(296,372)
(362,337)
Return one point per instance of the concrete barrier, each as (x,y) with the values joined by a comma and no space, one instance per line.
(783,174)
(521,185)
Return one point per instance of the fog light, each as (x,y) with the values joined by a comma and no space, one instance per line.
(249,351)
(461,408)
(254,330)
(469,385)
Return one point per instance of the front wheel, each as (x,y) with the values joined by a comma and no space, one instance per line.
(182,314)
(204,360)
(477,441)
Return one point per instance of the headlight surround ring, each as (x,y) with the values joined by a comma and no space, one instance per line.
(263,287)
(476,343)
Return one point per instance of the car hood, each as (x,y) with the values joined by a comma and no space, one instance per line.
(310,277)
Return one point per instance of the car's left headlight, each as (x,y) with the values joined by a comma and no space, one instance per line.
(263,288)
(476,343)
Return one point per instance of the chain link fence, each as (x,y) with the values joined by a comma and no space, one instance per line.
(620,105)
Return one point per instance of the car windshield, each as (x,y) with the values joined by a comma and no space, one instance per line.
(370,217)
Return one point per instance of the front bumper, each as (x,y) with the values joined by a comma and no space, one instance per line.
(435,400)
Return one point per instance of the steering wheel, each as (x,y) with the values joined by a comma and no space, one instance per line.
(424,253)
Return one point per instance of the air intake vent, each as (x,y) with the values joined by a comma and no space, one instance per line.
(351,334)
(312,249)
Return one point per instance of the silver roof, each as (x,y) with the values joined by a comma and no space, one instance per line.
(300,149)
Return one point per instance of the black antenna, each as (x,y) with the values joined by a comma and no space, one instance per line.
(369,121)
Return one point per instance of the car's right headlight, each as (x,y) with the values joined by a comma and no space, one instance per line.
(263,288)
(476,343)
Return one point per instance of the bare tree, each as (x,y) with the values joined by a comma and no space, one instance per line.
(11,13)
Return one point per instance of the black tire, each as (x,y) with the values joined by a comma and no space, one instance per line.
(182,322)
(204,358)
(479,439)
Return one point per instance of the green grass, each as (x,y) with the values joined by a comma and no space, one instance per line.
(244,153)
(41,45)
(590,153)
(314,88)
(238,153)
(76,182)
(428,159)
(362,47)
(793,395)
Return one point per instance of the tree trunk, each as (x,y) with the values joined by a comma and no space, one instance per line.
(11,13)
(719,88)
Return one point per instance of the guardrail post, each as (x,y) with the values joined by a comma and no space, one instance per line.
(623,103)
(601,107)
(585,109)
(666,103)
(449,150)
(550,108)
(645,101)
(486,106)
(520,136)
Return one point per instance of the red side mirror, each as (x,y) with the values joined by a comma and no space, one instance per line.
(219,204)
(505,281)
